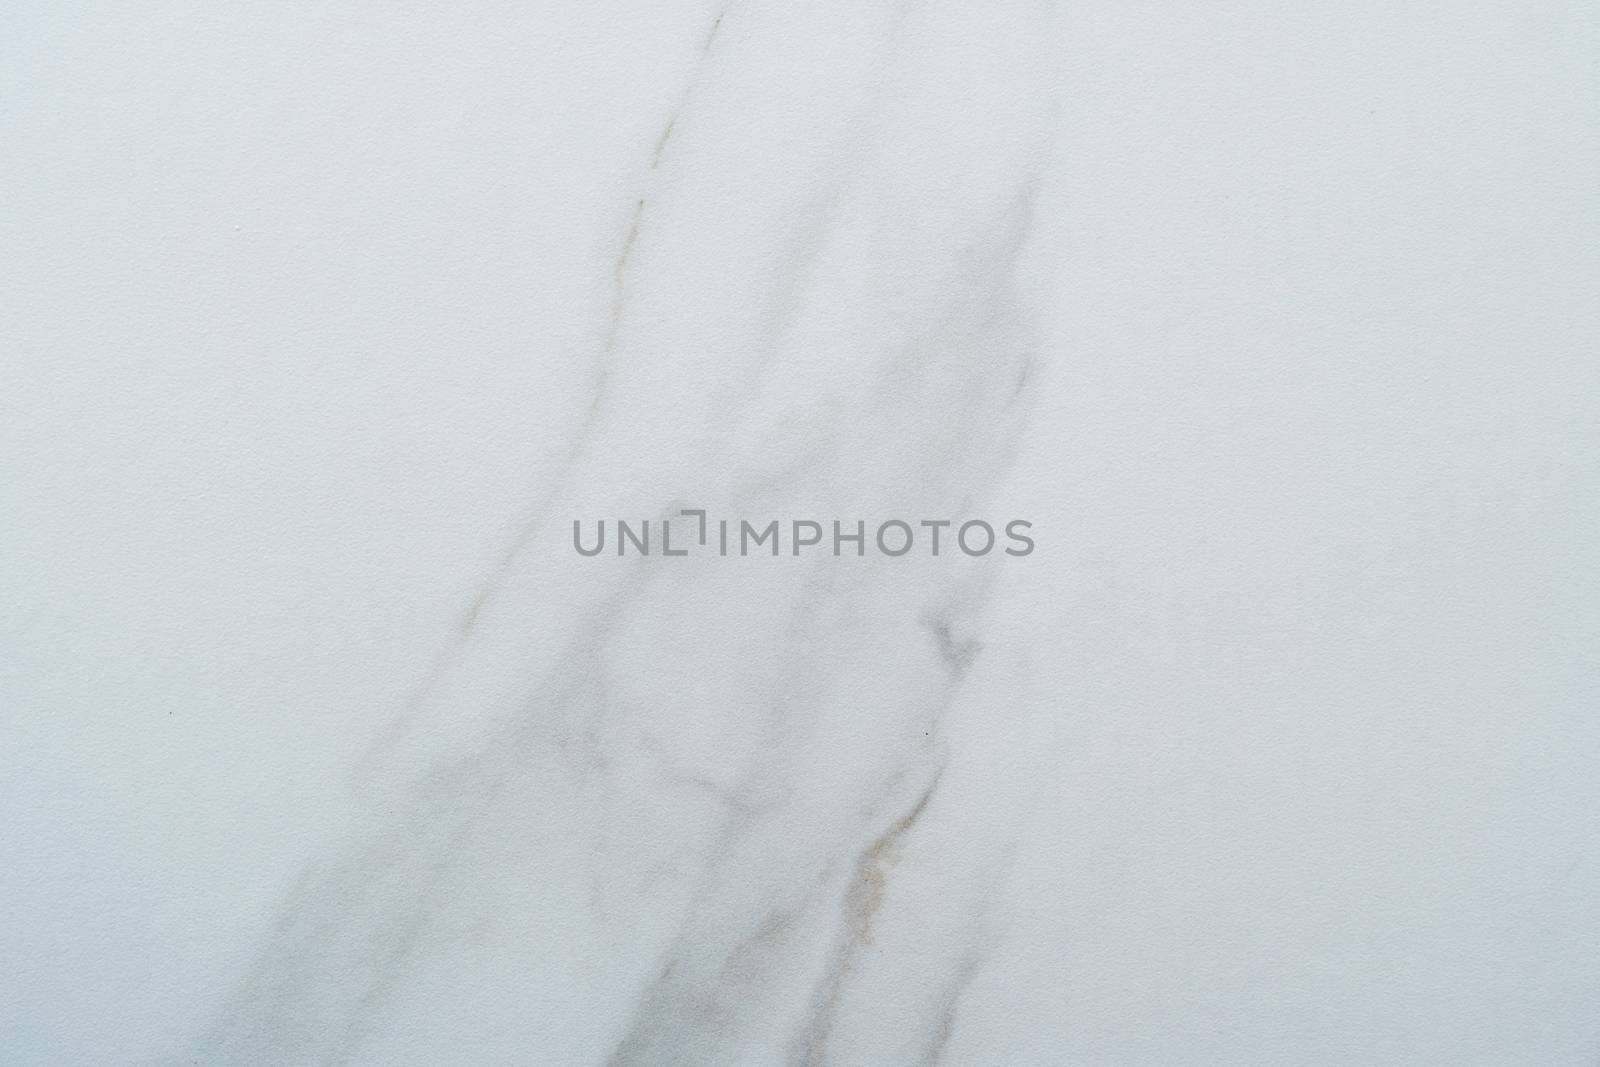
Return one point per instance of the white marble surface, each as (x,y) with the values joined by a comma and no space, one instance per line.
(319,744)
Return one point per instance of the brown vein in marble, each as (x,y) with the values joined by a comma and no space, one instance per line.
(450,650)
(860,906)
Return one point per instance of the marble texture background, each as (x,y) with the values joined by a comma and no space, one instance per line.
(320,745)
